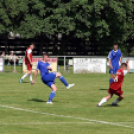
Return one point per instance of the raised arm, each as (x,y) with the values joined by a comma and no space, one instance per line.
(128,68)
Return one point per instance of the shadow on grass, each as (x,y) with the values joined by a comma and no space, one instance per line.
(26,82)
(110,105)
(36,100)
(103,89)
(39,100)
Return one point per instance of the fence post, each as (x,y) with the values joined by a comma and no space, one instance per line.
(14,65)
(64,63)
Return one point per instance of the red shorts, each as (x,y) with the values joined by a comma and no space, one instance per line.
(118,92)
(29,67)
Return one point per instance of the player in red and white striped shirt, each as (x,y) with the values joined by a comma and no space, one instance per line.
(115,86)
(28,62)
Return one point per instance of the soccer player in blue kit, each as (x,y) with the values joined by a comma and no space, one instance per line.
(49,78)
(114,57)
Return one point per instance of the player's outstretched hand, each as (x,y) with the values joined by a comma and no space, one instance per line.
(32,82)
(48,68)
(127,61)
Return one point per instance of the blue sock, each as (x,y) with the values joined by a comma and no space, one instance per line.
(110,80)
(62,79)
(52,95)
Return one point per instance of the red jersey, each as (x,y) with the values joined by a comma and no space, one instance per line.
(118,80)
(28,51)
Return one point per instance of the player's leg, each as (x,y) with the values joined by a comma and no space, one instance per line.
(120,98)
(63,80)
(29,73)
(30,76)
(105,99)
(52,94)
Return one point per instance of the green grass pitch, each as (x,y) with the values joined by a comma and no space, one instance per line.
(77,106)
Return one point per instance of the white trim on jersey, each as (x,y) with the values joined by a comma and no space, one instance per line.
(49,66)
(29,51)
(109,55)
(124,72)
(115,51)
(37,68)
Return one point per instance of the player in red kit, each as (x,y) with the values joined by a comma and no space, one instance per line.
(115,86)
(28,62)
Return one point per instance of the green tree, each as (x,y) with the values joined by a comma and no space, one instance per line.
(95,22)
(11,14)
(105,22)
(48,18)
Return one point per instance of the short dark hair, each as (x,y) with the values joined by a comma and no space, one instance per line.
(115,44)
(32,43)
(123,64)
(45,54)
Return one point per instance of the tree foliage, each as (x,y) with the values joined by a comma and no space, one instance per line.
(94,21)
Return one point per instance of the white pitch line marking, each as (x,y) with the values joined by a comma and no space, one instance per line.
(64,116)
(45,123)
(126,122)
(16,90)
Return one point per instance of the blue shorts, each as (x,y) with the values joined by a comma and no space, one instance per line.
(49,79)
(114,70)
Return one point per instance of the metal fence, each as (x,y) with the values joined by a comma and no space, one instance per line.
(64,64)
(13,64)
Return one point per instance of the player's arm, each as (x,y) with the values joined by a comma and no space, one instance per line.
(128,68)
(49,68)
(115,79)
(110,63)
(28,56)
(35,75)
(120,60)
(109,60)
(29,59)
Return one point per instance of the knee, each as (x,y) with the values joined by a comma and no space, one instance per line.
(122,97)
(55,89)
(58,74)
(30,71)
(108,97)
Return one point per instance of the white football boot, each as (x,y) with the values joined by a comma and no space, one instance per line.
(70,85)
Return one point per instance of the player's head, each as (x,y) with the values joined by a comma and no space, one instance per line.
(11,52)
(3,52)
(32,45)
(46,57)
(115,46)
(124,66)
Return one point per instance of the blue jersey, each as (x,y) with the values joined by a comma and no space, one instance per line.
(42,67)
(115,57)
